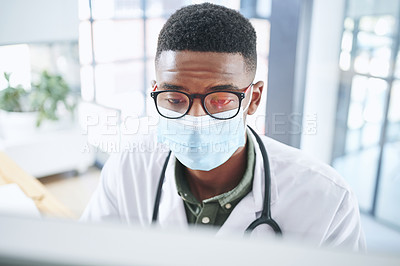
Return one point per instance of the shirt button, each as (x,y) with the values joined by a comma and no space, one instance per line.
(228,206)
(205,220)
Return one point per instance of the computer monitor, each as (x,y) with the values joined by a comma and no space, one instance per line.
(28,241)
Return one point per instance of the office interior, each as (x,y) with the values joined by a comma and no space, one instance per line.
(331,68)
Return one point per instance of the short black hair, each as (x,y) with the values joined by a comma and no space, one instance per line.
(209,28)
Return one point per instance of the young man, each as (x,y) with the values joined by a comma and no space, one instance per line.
(218,172)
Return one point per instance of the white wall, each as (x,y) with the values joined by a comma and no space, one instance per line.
(25,21)
(323,77)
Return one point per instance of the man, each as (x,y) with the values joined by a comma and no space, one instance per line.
(217,173)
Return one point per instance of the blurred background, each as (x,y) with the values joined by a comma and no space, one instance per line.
(75,76)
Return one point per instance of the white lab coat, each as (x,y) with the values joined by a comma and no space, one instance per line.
(309,200)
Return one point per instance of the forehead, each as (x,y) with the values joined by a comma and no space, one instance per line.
(205,68)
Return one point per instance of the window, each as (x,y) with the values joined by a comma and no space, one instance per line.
(367,142)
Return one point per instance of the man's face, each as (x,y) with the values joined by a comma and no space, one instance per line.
(203,72)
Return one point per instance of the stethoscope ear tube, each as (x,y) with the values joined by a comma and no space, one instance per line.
(266,211)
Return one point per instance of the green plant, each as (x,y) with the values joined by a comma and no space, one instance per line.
(48,94)
(12,98)
(45,97)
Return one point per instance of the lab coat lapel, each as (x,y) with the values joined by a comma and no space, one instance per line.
(172,211)
(240,218)
(250,207)
(259,176)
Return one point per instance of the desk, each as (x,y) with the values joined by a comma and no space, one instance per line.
(47,204)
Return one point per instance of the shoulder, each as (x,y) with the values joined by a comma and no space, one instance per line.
(129,180)
(142,147)
(292,165)
(138,155)
(314,191)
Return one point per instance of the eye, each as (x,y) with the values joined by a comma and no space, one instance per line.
(220,102)
(175,100)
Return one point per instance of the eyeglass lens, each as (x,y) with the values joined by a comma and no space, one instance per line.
(218,104)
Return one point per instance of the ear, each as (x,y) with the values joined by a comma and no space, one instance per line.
(256,97)
(153,83)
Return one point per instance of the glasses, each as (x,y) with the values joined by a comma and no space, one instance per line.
(221,105)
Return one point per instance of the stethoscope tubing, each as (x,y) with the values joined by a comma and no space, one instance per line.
(265,217)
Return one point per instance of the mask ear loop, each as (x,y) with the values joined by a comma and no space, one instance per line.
(251,97)
(248,105)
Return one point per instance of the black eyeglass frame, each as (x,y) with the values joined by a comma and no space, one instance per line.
(240,95)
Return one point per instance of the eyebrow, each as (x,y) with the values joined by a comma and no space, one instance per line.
(166,86)
(228,87)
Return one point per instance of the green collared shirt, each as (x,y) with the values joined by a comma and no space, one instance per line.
(215,210)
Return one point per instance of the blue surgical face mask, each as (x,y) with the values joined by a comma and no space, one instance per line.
(202,142)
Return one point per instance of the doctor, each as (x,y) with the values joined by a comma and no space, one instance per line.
(208,168)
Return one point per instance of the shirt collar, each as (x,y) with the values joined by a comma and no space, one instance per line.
(234,195)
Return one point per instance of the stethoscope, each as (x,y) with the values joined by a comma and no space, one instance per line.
(265,217)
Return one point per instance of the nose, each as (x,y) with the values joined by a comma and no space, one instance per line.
(197,108)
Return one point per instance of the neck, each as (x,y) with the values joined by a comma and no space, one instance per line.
(207,184)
